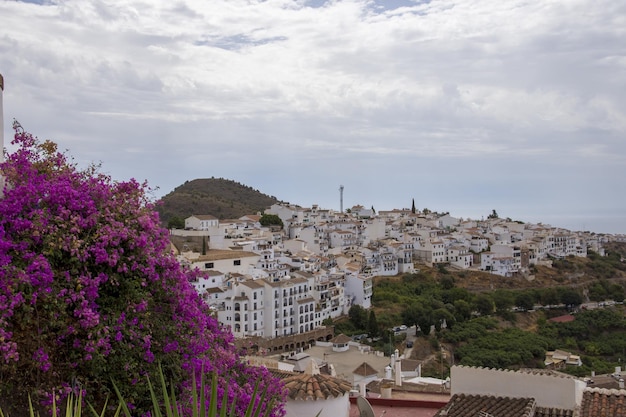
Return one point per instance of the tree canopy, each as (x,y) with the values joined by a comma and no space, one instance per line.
(270,220)
(90,293)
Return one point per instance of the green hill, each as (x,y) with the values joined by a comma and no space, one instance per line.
(222,198)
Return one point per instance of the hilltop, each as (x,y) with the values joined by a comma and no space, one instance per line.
(222,198)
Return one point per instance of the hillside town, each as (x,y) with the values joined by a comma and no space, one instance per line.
(275,285)
(273,281)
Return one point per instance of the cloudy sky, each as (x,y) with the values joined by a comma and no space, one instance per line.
(464,106)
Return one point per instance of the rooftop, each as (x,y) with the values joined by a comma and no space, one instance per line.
(303,386)
(397,408)
(462,405)
(603,402)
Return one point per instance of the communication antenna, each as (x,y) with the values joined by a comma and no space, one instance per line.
(341,198)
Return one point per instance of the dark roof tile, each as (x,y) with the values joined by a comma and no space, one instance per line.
(463,405)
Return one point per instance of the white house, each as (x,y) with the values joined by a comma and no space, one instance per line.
(432,252)
(227,261)
(330,398)
(359,290)
(201,222)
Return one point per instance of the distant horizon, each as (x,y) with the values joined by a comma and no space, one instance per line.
(601,221)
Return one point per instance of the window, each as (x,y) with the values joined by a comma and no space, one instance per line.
(237,262)
(255,296)
(208,265)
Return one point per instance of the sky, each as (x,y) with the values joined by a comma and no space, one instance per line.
(465,107)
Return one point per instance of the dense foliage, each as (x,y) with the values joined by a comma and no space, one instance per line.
(598,335)
(478,322)
(271,220)
(89,292)
(508,348)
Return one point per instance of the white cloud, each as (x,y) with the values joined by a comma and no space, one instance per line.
(450,92)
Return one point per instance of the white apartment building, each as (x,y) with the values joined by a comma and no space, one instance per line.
(359,290)
(404,254)
(343,239)
(566,244)
(329,295)
(268,308)
(316,238)
(478,244)
(509,251)
(460,257)
(497,264)
(432,252)
(290,306)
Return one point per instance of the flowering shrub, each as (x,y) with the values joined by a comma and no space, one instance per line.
(90,293)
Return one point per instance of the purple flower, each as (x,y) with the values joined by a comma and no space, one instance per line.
(89,289)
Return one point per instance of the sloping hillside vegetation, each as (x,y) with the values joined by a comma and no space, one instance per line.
(503,322)
(222,198)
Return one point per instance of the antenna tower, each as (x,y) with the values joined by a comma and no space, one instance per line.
(341,198)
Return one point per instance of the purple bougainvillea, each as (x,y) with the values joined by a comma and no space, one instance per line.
(89,291)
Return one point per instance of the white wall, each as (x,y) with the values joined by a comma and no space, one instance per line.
(332,407)
(548,390)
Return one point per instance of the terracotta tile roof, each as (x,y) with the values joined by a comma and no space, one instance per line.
(462,405)
(252,284)
(307,387)
(603,403)
(365,369)
(409,365)
(341,339)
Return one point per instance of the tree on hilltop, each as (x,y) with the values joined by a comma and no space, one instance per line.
(90,293)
